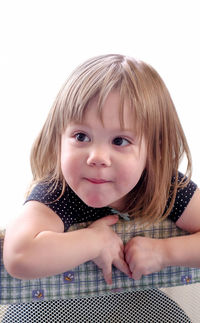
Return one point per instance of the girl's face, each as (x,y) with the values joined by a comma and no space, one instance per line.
(100,161)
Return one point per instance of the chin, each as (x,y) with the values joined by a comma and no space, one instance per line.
(97,205)
(94,203)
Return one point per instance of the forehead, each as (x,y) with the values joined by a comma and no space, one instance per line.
(113,111)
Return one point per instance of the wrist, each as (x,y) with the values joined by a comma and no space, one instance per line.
(162,252)
(96,242)
(166,253)
(173,250)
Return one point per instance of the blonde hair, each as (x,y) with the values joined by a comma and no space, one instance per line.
(155,118)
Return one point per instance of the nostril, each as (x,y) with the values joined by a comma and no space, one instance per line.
(98,161)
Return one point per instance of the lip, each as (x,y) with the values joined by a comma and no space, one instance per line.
(97,181)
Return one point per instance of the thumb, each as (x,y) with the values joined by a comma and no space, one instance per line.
(110,219)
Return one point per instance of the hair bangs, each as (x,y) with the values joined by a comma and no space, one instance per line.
(96,79)
(86,83)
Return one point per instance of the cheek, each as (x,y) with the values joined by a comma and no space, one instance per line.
(131,172)
(131,176)
(68,165)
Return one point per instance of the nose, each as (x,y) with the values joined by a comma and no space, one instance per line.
(99,156)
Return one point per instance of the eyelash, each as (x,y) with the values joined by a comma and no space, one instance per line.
(122,139)
(82,134)
(116,138)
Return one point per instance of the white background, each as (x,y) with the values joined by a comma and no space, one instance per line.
(42,41)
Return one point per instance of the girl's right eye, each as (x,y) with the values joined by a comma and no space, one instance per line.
(81,137)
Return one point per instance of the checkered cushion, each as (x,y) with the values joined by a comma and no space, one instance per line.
(87,280)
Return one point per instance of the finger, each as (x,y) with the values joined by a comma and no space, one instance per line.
(136,275)
(128,257)
(122,266)
(121,254)
(107,273)
(128,245)
(110,219)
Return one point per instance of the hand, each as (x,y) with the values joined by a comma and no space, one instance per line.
(111,247)
(144,256)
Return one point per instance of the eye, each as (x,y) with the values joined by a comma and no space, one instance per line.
(119,141)
(82,137)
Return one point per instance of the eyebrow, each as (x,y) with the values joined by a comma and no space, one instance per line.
(82,124)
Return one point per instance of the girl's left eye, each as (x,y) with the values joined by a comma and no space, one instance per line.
(119,141)
(81,137)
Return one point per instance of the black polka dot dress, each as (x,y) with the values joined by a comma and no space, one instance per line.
(182,199)
(71,209)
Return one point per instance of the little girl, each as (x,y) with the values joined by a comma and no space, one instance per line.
(111,144)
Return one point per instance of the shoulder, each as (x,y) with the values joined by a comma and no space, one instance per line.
(45,192)
(54,198)
(183,197)
(190,219)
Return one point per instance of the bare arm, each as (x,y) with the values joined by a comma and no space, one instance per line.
(185,250)
(36,245)
(146,255)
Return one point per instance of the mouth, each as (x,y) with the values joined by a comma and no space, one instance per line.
(97,181)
